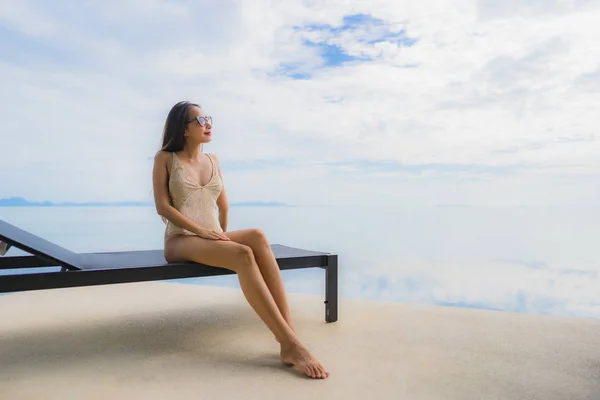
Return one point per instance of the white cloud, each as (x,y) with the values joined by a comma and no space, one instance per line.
(86,89)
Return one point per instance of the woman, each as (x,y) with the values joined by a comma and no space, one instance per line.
(188,188)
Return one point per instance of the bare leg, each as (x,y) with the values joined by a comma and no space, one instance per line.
(240,258)
(257,241)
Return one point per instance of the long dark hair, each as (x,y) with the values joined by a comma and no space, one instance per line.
(173,137)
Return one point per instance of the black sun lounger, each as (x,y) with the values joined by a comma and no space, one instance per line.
(89,269)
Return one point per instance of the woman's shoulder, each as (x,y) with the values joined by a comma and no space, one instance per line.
(164,159)
(213,156)
(163,155)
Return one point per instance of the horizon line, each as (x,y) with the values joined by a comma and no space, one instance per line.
(22,202)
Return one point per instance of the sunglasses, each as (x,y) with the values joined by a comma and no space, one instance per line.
(201,120)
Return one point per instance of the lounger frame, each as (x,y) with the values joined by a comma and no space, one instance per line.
(105,268)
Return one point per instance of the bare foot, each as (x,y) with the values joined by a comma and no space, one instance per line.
(298,356)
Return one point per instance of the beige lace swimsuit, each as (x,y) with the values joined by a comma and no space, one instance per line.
(197,202)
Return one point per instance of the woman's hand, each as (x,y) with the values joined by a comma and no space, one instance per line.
(209,234)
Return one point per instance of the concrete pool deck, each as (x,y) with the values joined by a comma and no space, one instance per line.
(157,340)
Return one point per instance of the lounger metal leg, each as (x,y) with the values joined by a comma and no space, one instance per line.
(331,289)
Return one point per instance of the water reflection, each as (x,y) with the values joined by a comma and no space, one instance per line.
(498,259)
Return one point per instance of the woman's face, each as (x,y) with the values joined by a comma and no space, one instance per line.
(199,126)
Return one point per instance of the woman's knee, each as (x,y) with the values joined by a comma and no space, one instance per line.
(259,237)
(243,257)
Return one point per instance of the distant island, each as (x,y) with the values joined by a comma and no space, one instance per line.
(22,202)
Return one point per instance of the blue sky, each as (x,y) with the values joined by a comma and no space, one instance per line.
(436,103)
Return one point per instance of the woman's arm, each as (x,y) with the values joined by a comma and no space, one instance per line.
(164,207)
(222,202)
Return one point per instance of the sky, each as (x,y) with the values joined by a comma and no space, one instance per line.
(314,102)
